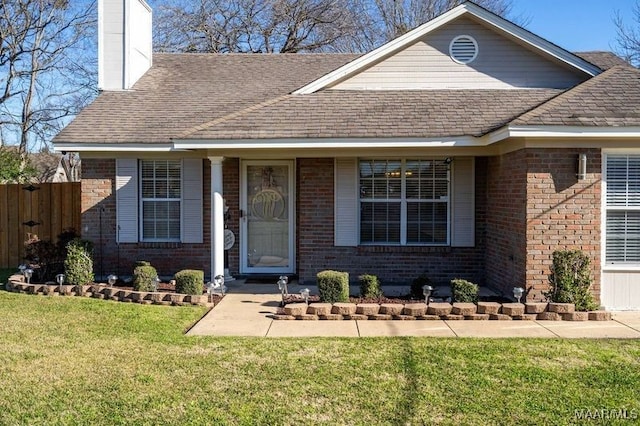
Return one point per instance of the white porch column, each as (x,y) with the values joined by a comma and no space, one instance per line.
(217,218)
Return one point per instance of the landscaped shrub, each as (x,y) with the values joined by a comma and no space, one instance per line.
(418,283)
(78,265)
(333,286)
(189,281)
(464,291)
(369,286)
(48,257)
(144,276)
(571,279)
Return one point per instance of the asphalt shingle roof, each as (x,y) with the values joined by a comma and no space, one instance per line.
(388,113)
(609,99)
(182,91)
(246,96)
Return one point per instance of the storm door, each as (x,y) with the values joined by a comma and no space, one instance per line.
(267,228)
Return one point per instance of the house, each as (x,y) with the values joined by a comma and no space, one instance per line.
(468,147)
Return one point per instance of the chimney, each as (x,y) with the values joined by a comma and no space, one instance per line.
(124,43)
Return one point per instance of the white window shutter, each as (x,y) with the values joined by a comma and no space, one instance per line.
(346,202)
(463,204)
(127,200)
(192,201)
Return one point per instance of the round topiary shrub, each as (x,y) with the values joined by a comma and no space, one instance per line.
(464,291)
(369,286)
(144,276)
(190,281)
(78,265)
(333,286)
(418,283)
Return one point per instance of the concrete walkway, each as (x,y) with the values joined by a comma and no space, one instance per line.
(245,309)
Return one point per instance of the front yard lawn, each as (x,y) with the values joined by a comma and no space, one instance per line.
(87,361)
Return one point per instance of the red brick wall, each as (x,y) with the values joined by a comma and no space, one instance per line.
(316,251)
(562,212)
(536,205)
(231,177)
(98,199)
(505,221)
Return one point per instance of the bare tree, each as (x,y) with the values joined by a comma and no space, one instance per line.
(45,74)
(267,26)
(290,26)
(628,36)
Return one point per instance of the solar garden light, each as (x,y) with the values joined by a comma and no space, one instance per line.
(111,279)
(155,283)
(517,293)
(22,267)
(426,291)
(282,286)
(210,287)
(305,295)
(60,281)
(27,274)
(218,282)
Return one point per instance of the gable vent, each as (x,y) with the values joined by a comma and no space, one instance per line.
(463,49)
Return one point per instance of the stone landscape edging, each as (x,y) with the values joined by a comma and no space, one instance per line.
(439,311)
(16,284)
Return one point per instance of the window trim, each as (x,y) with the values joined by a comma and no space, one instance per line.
(404,204)
(142,200)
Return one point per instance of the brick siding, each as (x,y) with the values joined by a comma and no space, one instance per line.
(316,251)
(529,203)
(98,200)
(536,206)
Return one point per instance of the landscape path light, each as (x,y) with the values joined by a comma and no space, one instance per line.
(305,295)
(111,280)
(426,292)
(60,281)
(518,292)
(22,267)
(219,283)
(27,274)
(282,286)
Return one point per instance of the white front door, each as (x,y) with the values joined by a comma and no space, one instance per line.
(268,217)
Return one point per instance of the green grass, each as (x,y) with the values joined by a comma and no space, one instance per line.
(87,361)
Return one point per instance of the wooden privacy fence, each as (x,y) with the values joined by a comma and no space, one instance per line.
(44,209)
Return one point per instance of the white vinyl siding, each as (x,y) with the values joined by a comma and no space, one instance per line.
(404,202)
(622,209)
(463,203)
(159,200)
(501,64)
(346,202)
(127,200)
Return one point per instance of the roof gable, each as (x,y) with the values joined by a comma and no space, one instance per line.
(469,10)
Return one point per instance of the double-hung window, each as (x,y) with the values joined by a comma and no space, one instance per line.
(404,202)
(160,187)
(622,209)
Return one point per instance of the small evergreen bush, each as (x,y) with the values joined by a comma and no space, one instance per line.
(189,281)
(333,286)
(144,276)
(418,283)
(571,279)
(369,286)
(464,291)
(78,265)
